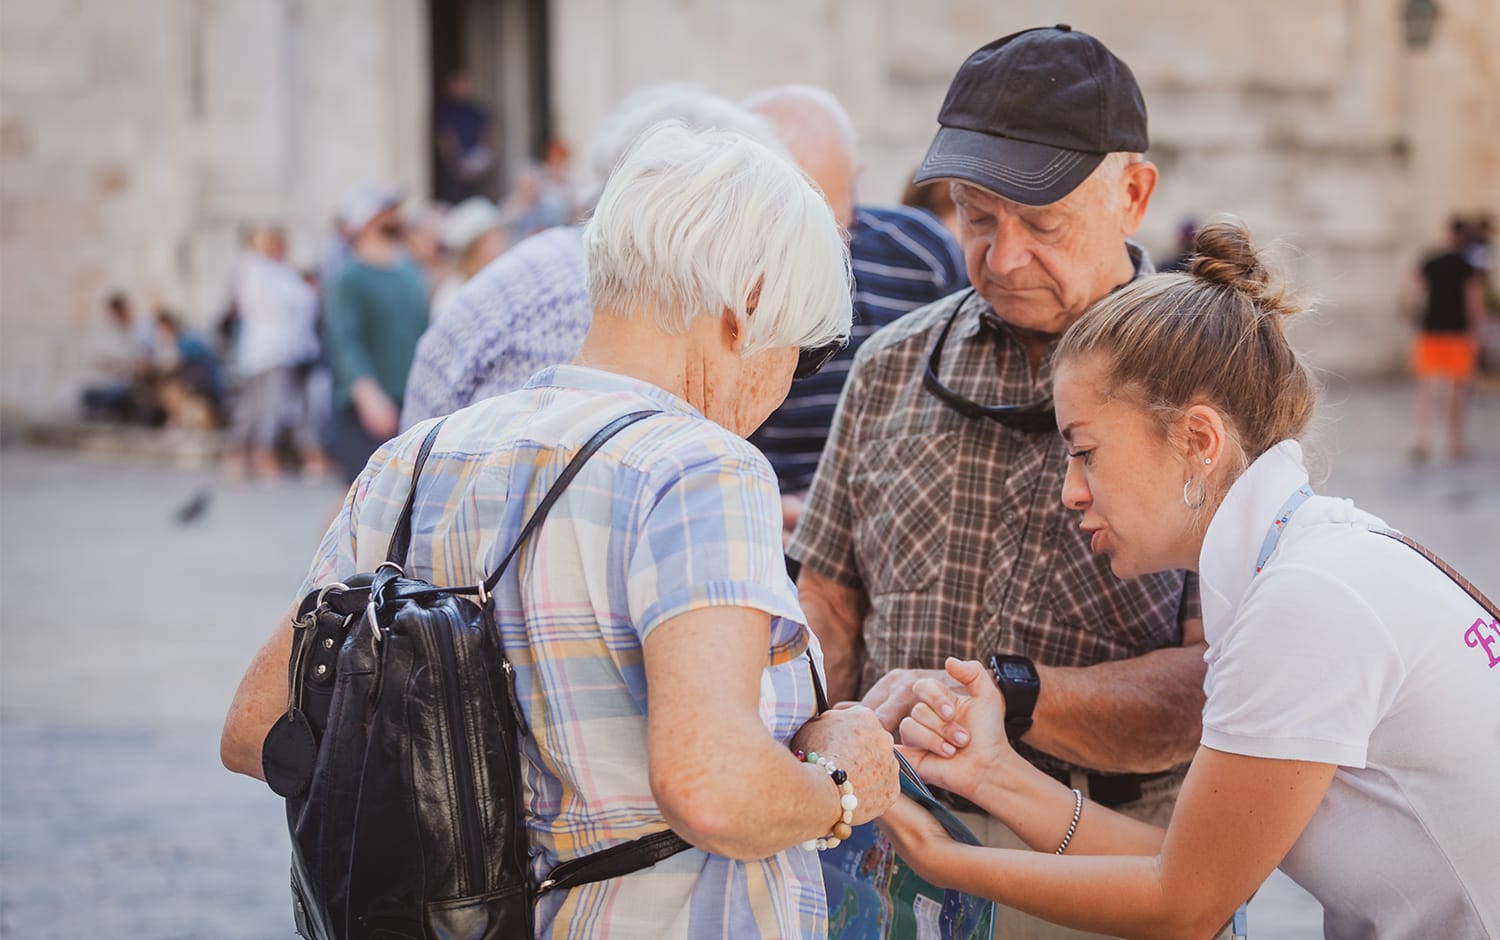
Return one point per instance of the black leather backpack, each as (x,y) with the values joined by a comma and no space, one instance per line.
(399,757)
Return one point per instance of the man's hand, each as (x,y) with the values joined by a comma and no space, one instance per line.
(892,698)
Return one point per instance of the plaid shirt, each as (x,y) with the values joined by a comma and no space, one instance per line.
(954,528)
(673,514)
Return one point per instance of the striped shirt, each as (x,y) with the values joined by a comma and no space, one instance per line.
(674,514)
(526,310)
(902,259)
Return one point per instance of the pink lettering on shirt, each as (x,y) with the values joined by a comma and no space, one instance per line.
(1486,636)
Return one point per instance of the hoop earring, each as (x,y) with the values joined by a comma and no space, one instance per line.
(1202,494)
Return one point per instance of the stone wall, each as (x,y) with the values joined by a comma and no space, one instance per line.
(1308,118)
(138,136)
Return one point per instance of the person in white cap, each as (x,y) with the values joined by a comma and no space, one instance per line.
(471,237)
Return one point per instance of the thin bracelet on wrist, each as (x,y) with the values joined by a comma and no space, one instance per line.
(847,802)
(1072,826)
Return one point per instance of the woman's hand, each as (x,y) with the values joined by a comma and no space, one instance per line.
(852,738)
(954,739)
(919,839)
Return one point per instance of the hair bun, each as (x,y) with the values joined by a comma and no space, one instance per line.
(1225,255)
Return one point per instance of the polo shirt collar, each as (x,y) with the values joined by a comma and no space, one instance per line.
(1232,544)
(609,383)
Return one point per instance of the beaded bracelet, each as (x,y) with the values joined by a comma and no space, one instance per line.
(1072,826)
(847,802)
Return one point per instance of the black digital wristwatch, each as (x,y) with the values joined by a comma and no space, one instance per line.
(1019,684)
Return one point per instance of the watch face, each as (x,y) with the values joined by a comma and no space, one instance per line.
(1015,672)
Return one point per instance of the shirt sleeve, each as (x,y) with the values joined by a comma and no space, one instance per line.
(1305,671)
(824,540)
(711,537)
(430,388)
(351,356)
(1191,607)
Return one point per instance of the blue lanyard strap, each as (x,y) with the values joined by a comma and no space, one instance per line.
(1279,523)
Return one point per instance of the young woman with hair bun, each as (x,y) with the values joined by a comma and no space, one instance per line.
(1351,733)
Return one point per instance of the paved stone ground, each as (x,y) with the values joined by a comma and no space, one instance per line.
(123,634)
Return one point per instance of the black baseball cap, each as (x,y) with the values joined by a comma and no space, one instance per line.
(1030,116)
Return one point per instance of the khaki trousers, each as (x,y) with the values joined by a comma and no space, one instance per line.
(1154,807)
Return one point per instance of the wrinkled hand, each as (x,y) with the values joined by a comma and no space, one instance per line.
(893,696)
(956,739)
(918,837)
(854,740)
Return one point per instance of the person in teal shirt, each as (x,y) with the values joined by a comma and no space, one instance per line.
(377,310)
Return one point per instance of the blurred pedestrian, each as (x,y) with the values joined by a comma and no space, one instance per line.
(377,310)
(542,197)
(1187,234)
(422,237)
(528,309)
(1450,290)
(276,347)
(471,238)
(467,142)
(123,356)
(902,259)
(189,375)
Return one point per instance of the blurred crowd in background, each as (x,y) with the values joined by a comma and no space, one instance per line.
(305,369)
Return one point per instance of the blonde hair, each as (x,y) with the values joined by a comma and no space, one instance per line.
(1212,336)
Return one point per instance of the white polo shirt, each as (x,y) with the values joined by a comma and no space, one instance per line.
(1350,648)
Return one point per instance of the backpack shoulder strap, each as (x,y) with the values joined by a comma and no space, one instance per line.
(1444,567)
(576,464)
(401,536)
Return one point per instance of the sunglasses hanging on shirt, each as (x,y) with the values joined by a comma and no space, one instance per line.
(1034,418)
(809,361)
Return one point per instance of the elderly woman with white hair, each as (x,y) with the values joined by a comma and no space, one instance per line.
(660,646)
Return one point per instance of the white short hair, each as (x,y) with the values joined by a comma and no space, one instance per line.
(696,222)
(649,105)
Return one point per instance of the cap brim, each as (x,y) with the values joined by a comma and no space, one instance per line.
(1018,170)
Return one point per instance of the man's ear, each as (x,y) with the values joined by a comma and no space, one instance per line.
(1137,183)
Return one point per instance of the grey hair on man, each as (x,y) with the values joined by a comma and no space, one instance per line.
(819,134)
(697,222)
(693,105)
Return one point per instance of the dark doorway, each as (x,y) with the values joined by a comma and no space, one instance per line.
(500,48)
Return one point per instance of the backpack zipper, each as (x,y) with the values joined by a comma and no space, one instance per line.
(468,813)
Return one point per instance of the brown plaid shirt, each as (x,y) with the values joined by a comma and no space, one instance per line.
(954,527)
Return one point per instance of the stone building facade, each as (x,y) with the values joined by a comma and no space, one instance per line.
(136,136)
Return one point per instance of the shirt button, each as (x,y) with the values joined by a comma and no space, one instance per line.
(1010,516)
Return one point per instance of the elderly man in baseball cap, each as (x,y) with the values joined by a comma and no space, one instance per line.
(933,527)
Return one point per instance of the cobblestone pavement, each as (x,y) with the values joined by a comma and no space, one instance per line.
(123,634)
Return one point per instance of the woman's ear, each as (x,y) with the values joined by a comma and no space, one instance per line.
(1205,436)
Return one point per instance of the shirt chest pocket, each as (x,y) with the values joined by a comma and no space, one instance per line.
(902,500)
